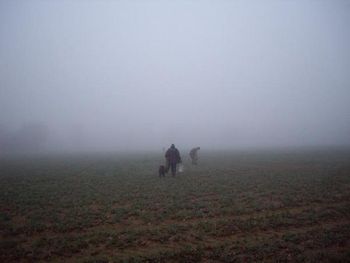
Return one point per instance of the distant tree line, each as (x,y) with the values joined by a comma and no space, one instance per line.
(28,138)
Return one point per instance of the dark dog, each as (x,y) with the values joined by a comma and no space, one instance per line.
(161,171)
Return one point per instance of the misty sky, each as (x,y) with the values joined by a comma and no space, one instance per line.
(119,75)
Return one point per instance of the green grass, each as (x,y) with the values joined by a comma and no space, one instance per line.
(263,206)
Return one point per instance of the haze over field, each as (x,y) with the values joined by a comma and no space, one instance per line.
(137,75)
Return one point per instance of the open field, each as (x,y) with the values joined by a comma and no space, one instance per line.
(233,207)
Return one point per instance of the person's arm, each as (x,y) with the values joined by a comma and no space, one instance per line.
(178,156)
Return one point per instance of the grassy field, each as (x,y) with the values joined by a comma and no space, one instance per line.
(233,207)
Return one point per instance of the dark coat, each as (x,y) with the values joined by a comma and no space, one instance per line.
(172,155)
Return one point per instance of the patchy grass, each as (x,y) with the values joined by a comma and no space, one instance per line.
(286,206)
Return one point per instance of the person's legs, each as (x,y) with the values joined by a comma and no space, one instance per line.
(173,169)
(167,166)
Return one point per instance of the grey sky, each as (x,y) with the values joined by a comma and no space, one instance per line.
(119,75)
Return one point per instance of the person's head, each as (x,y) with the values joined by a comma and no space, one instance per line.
(172,146)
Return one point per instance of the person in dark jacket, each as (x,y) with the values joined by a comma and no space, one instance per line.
(172,157)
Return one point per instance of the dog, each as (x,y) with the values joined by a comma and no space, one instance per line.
(161,171)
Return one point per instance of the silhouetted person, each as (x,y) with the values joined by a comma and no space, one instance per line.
(194,155)
(172,157)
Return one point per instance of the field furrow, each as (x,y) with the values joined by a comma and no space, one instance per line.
(258,208)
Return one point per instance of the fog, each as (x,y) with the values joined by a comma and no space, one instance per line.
(140,75)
